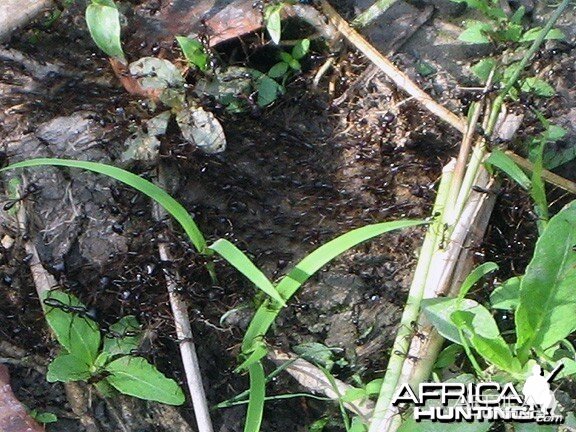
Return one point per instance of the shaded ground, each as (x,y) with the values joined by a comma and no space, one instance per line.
(291,179)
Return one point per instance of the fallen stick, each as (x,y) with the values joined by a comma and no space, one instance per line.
(547,176)
(17,13)
(312,378)
(183,328)
(397,76)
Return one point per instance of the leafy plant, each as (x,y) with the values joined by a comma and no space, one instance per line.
(86,357)
(273,21)
(542,299)
(272,84)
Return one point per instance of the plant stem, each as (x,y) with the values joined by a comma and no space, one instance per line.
(373,12)
(402,342)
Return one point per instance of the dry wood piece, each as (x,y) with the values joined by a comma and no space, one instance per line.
(17,13)
(398,77)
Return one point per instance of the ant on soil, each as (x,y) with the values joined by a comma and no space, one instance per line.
(31,189)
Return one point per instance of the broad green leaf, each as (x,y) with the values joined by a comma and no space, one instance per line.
(256,399)
(475,275)
(502,161)
(532,34)
(301,49)
(507,295)
(66,368)
(556,157)
(569,369)
(267,312)
(278,70)
(537,86)
(353,394)
(475,33)
(123,336)
(44,417)
(74,331)
(295,64)
(242,263)
(194,52)
(147,188)
(136,377)
(103,23)
(494,349)
(319,425)
(547,302)
(273,22)
(286,57)
(439,312)
(554,133)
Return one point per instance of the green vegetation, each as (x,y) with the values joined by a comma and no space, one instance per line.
(106,362)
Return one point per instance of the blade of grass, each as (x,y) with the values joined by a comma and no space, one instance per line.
(147,188)
(256,399)
(267,313)
(242,263)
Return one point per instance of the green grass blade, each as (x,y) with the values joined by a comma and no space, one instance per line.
(256,400)
(502,161)
(147,188)
(242,263)
(267,313)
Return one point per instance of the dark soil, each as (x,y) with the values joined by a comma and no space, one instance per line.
(292,178)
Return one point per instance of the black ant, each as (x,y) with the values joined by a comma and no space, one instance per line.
(31,189)
(81,311)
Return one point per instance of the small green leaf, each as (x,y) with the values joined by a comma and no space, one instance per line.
(295,64)
(318,425)
(242,263)
(78,334)
(357,425)
(103,23)
(123,336)
(136,377)
(532,34)
(507,295)
(447,356)
(44,417)
(301,49)
(316,353)
(373,387)
(273,22)
(502,161)
(511,33)
(554,133)
(278,70)
(537,86)
(66,368)
(483,68)
(353,394)
(194,52)
(475,33)
(475,275)
(286,57)
(268,90)
(518,15)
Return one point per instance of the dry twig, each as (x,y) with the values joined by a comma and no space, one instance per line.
(397,76)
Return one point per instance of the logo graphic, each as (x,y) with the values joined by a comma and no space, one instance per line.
(491,401)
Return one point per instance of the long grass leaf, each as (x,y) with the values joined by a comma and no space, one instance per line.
(267,313)
(256,400)
(242,263)
(147,188)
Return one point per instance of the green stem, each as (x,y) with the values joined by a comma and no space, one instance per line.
(412,309)
(373,12)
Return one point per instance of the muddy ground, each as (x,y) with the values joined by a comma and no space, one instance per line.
(293,177)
